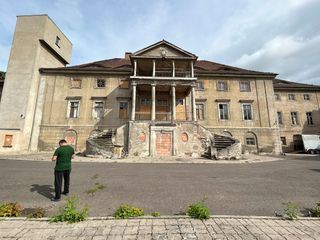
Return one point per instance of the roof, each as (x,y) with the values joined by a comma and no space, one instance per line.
(114,65)
(279,84)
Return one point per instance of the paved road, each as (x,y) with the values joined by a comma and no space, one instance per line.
(237,189)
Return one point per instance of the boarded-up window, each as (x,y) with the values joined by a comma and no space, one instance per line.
(123,110)
(75,83)
(124,83)
(8,140)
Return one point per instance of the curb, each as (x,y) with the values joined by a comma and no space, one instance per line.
(163,217)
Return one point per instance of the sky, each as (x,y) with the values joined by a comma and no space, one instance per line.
(280,36)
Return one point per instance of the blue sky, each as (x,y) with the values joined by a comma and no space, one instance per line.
(267,35)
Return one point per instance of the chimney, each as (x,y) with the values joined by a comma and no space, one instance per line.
(127,55)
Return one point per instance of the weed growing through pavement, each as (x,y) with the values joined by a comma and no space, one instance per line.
(155,214)
(70,213)
(127,211)
(10,209)
(199,210)
(291,210)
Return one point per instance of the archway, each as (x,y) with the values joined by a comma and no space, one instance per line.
(251,142)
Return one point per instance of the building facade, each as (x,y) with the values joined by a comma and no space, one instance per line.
(158,101)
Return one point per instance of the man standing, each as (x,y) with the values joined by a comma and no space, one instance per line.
(62,156)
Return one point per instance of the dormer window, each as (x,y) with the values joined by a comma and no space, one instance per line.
(58,41)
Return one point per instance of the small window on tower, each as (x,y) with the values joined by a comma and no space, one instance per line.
(58,41)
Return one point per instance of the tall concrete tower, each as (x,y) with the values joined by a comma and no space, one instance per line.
(37,43)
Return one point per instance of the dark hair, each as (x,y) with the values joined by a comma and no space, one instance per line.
(62,141)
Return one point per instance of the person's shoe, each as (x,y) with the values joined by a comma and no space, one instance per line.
(65,193)
(55,199)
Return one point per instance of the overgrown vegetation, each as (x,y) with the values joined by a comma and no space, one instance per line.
(35,212)
(70,213)
(316,212)
(127,211)
(198,210)
(291,211)
(93,190)
(10,209)
(155,214)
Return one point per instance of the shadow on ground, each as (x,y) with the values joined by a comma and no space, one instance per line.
(44,190)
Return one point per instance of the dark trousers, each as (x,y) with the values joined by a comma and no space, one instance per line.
(58,176)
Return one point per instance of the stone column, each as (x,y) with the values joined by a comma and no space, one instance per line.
(192,70)
(134,93)
(153,107)
(135,68)
(193,101)
(153,68)
(173,69)
(173,91)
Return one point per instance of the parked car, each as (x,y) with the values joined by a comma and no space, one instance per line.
(311,143)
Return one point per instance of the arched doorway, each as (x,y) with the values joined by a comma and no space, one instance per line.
(251,142)
(71,138)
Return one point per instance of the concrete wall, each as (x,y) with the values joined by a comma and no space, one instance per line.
(33,47)
(301,106)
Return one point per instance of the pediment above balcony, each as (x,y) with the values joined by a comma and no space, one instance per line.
(163,49)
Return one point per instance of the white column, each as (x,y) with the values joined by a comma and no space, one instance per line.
(193,100)
(133,110)
(192,72)
(173,69)
(153,107)
(153,68)
(135,68)
(173,91)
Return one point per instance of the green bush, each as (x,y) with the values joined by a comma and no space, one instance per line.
(127,211)
(291,211)
(316,212)
(198,210)
(155,214)
(69,212)
(10,210)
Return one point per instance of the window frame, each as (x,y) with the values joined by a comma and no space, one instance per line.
(203,111)
(281,117)
(247,82)
(309,119)
(228,111)
(100,79)
(283,141)
(75,79)
(308,98)
(201,84)
(128,111)
(69,109)
(296,119)
(225,84)
(94,113)
(277,97)
(291,94)
(248,142)
(58,42)
(251,109)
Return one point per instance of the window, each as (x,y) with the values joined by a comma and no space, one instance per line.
(75,83)
(294,118)
(245,86)
(145,101)
(74,109)
(124,83)
(279,114)
(250,141)
(306,97)
(101,83)
(162,102)
(309,118)
(200,111)
(291,97)
(277,97)
(199,86)
(222,86)
(283,140)
(123,110)
(179,102)
(58,41)
(247,111)
(223,111)
(98,109)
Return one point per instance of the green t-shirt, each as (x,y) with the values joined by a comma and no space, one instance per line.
(64,155)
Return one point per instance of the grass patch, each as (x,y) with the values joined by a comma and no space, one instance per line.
(70,213)
(198,210)
(155,214)
(127,211)
(97,187)
(291,211)
(316,212)
(10,209)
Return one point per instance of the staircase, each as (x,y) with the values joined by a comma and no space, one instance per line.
(100,144)
(225,147)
